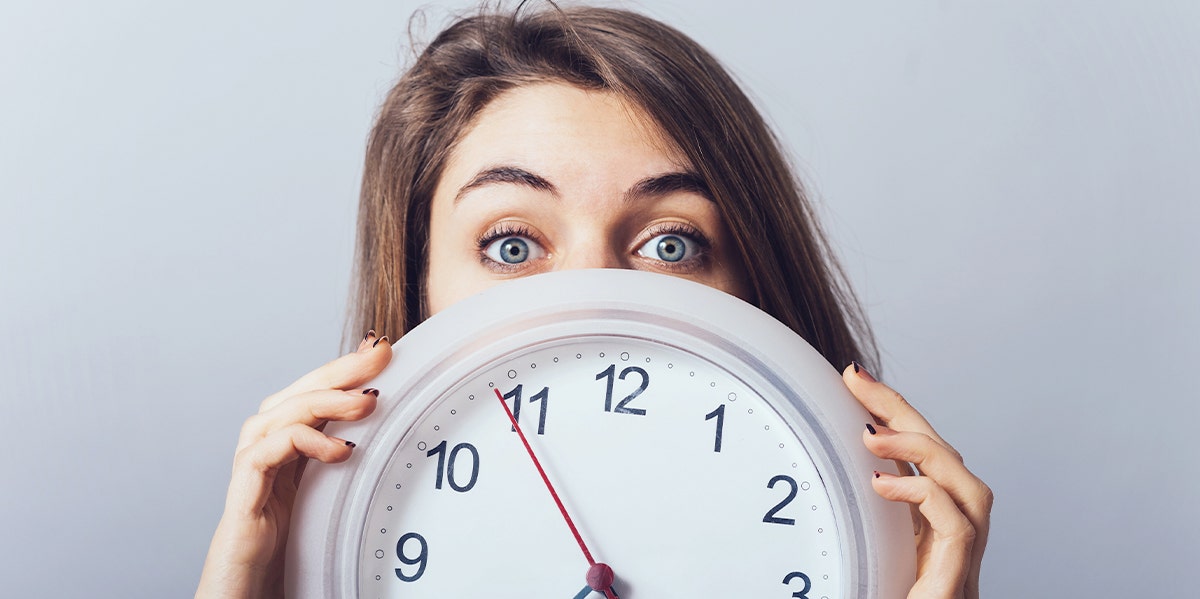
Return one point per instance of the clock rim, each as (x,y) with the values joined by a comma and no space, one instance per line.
(561,301)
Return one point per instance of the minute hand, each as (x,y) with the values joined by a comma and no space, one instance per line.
(608,592)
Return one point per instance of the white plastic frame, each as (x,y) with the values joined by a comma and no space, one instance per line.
(877,538)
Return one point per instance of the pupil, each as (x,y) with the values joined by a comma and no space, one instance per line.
(514,251)
(670,249)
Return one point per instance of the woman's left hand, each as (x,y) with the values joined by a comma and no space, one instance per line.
(953,505)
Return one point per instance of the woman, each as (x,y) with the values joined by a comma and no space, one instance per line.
(576,138)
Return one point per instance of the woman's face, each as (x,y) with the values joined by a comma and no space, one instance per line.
(552,177)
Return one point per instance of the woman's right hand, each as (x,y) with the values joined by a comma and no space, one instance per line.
(246,556)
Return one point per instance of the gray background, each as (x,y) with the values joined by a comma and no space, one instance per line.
(1012,187)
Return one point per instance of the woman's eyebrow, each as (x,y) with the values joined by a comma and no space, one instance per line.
(506,174)
(660,185)
(657,185)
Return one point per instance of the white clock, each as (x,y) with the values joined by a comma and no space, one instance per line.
(698,447)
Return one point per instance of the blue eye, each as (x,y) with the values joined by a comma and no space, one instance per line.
(670,248)
(513,250)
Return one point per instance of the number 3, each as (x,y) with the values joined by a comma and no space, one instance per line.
(807,584)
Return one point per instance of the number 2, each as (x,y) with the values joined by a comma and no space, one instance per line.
(770,517)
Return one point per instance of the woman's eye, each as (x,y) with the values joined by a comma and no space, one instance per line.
(670,248)
(513,250)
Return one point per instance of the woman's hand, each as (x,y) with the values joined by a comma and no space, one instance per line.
(246,556)
(953,505)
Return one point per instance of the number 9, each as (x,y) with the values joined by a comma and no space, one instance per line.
(420,559)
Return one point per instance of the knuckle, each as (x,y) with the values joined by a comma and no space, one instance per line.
(327,378)
(253,427)
(920,450)
(963,532)
(897,397)
(945,450)
(359,410)
(296,431)
(986,497)
(248,459)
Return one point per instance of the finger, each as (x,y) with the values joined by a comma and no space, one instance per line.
(367,340)
(944,572)
(936,462)
(310,409)
(887,405)
(255,466)
(346,372)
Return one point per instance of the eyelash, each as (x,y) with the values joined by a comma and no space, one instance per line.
(501,231)
(684,230)
(498,232)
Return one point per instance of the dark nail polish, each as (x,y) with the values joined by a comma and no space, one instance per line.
(870,429)
(351,444)
(383,338)
(372,391)
(876,471)
(861,371)
(370,333)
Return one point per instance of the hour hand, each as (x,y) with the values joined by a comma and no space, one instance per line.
(588,590)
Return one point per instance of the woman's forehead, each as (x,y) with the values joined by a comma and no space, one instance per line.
(557,124)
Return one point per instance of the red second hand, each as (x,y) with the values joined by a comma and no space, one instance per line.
(554,494)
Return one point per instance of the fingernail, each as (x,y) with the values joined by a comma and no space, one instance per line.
(372,391)
(383,338)
(351,444)
(370,333)
(862,372)
(870,429)
(875,471)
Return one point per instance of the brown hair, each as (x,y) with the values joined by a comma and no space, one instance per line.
(679,85)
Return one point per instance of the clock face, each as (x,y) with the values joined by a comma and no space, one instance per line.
(678,474)
(688,461)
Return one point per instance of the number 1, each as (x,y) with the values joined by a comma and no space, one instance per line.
(719,414)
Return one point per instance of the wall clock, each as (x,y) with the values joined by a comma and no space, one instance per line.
(670,441)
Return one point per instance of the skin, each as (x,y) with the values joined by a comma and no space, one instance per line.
(588,152)
(552,177)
